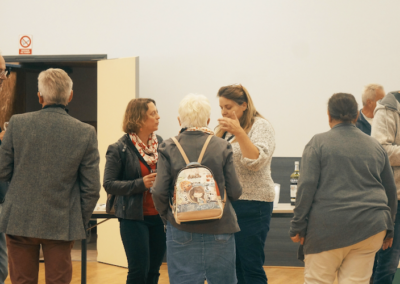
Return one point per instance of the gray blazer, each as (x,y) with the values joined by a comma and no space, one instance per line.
(52,163)
(218,158)
(346,190)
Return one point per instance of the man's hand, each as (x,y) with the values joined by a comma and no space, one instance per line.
(297,239)
(387,243)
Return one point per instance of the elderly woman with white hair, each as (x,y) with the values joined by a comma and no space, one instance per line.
(198,250)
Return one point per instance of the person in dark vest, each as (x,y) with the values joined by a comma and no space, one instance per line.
(372,93)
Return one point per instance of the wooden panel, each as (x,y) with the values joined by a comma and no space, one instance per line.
(117,85)
(12,98)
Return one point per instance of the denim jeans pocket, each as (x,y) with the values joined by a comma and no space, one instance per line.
(223,238)
(181,237)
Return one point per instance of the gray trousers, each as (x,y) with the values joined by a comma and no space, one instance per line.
(3,256)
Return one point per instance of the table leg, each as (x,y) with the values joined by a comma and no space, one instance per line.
(83,261)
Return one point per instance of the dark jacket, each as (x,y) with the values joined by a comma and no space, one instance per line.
(52,163)
(363,124)
(125,181)
(218,158)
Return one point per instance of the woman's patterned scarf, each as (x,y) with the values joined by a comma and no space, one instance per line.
(149,151)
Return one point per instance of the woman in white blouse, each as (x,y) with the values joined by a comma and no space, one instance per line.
(253,142)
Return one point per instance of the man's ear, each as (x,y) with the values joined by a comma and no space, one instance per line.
(180,124)
(208,121)
(329,117)
(41,101)
(71,96)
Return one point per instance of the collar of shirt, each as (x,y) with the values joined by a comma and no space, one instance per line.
(56,105)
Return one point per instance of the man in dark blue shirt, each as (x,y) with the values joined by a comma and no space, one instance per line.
(372,93)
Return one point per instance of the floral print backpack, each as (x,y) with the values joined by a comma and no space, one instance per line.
(196,193)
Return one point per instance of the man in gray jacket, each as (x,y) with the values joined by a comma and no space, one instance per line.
(52,163)
(385,128)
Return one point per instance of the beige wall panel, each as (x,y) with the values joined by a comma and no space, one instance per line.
(117,85)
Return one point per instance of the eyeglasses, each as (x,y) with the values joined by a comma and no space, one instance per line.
(5,73)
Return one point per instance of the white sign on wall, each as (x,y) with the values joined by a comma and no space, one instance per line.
(25,44)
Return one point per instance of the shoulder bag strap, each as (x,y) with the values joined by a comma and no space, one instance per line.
(181,150)
(204,149)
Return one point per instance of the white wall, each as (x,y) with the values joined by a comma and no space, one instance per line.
(291,55)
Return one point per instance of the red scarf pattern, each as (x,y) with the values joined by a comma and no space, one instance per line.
(149,151)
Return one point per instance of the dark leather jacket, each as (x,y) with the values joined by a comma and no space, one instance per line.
(125,181)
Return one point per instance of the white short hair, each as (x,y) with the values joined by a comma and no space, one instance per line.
(370,92)
(194,111)
(55,86)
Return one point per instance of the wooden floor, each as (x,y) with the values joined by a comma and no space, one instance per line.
(99,273)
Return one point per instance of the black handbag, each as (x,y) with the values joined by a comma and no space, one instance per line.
(110,204)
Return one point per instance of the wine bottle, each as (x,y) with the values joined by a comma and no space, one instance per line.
(294,178)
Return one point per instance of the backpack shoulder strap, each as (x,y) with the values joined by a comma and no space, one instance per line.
(181,150)
(204,149)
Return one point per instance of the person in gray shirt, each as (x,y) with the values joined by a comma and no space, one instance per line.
(346,200)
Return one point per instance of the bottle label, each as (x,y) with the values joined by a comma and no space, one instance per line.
(293,191)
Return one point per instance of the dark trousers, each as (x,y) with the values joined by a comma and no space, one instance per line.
(23,259)
(254,218)
(386,261)
(145,245)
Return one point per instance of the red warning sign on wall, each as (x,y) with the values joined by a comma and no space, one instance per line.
(25,44)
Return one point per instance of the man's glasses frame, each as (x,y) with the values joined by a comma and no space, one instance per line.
(6,73)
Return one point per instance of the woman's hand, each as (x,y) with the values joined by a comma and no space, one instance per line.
(297,239)
(246,146)
(149,180)
(231,125)
(387,243)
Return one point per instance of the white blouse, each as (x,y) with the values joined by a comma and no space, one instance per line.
(255,175)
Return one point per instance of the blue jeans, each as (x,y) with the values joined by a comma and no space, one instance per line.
(254,218)
(144,243)
(388,260)
(193,257)
(3,256)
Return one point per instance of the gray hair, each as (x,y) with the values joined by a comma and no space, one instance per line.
(194,111)
(370,92)
(55,86)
